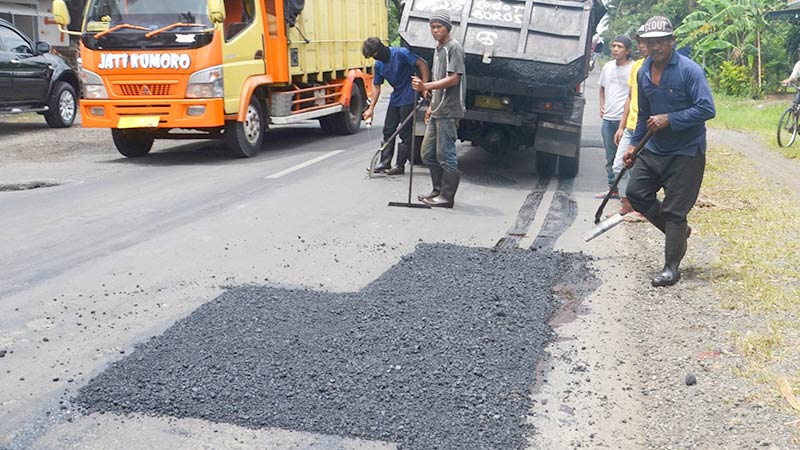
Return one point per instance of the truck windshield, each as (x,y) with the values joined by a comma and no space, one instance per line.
(150,14)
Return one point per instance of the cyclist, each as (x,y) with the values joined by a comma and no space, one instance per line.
(795,72)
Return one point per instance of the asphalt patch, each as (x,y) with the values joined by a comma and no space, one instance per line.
(27,186)
(439,352)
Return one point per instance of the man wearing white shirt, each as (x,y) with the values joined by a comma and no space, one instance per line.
(613,93)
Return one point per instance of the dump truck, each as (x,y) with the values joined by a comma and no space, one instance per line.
(222,69)
(526,61)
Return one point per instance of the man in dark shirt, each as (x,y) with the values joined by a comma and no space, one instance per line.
(445,111)
(395,65)
(674,103)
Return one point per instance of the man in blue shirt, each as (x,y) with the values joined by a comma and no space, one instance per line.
(395,65)
(674,103)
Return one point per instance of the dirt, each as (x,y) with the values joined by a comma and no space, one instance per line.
(683,334)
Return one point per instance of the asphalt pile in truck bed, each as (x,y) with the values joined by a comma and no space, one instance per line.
(439,352)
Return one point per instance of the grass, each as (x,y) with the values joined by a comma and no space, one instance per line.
(757,228)
(758,116)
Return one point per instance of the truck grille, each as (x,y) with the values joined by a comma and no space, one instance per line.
(143,89)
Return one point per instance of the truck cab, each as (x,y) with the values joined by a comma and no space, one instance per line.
(222,69)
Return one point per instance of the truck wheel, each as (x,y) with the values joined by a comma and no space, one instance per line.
(328,124)
(349,120)
(132,143)
(496,141)
(63,106)
(545,164)
(418,151)
(244,139)
(568,167)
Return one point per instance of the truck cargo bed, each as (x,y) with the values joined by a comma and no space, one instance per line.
(511,46)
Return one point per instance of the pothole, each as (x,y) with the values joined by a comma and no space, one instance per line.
(27,186)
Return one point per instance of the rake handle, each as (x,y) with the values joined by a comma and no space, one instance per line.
(611,189)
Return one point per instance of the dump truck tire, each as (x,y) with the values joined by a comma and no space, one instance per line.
(418,151)
(133,143)
(568,167)
(244,139)
(546,164)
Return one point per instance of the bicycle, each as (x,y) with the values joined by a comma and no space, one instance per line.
(788,124)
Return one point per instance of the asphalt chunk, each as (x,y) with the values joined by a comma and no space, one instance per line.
(439,352)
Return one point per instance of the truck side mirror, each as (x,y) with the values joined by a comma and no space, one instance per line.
(61,13)
(216,11)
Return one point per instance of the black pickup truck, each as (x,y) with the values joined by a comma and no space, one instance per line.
(34,80)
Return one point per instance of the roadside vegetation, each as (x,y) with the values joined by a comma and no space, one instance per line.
(756,230)
(744,54)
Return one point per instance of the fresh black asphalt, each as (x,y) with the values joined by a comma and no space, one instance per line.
(440,352)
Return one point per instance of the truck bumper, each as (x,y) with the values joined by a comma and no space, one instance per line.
(167,113)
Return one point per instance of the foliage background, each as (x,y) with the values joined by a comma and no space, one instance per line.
(725,37)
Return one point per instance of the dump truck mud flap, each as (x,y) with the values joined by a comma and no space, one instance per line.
(559,139)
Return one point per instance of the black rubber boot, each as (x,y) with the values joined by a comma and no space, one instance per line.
(386,156)
(446,198)
(437,173)
(403,152)
(674,251)
(655,216)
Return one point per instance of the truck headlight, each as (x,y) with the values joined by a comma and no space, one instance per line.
(206,84)
(92,85)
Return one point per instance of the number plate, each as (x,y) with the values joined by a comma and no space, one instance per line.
(484,101)
(138,122)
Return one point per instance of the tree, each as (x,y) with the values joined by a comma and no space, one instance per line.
(728,30)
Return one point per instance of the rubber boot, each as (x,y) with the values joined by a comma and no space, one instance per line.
(446,198)
(655,216)
(437,173)
(402,157)
(386,158)
(674,251)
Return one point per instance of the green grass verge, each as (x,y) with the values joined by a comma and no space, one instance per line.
(756,226)
(759,116)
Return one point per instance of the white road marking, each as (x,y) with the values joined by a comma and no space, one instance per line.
(297,167)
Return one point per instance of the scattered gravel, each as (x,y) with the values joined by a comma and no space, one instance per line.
(689,372)
(439,352)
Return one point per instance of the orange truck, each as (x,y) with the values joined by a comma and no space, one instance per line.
(222,69)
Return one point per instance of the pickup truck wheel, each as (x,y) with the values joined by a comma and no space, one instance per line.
(244,139)
(546,164)
(63,106)
(349,120)
(132,143)
(568,167)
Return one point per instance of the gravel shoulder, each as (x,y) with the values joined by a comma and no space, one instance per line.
(685,330)
(617,372)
